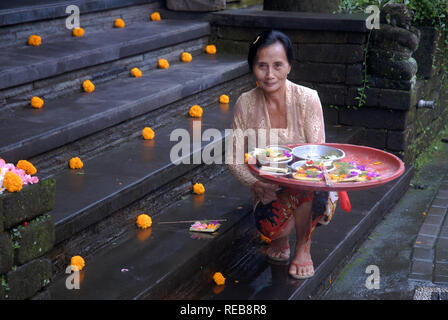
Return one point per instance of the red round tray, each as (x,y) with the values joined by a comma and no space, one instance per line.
(391,168)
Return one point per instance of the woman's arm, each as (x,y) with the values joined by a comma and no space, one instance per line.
(235,159)
(314,120)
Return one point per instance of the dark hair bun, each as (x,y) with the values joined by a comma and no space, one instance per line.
(266,38)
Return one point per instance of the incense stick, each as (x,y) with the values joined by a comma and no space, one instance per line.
(190,221)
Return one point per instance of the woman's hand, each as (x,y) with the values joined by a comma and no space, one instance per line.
(266,192)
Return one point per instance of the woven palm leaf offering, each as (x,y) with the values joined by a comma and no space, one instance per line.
(205,226)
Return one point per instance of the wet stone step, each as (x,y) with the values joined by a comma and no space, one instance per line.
(67,119)
(148,261)
(19,65)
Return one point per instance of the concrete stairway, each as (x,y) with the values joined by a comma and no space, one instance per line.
(124,175)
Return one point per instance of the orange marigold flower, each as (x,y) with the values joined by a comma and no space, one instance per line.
(144,221)
(196,111)
(77,263)
(37,102)
(119,23)
(186,57)
(163,64)
(12,182)
(148,133)
(88,86)
(224,99)
(264,238)
(198,188)
(136,72)
(75,163)
(34,40)
(210,49)
(78,32)
(246,158)
(219,278)
(27,167)
(155,16)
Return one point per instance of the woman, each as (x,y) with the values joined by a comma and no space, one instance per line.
(294,113)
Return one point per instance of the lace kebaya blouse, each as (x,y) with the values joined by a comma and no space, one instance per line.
(305,124)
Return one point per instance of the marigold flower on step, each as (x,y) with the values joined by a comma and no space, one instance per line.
(186,57)
(78,32)
(210,49)
(246,158)
(136,72)
(144,221)
(37,102)
(196,111)
(88,86)
(198,188)
(219,278)
(27,167)
(77,262)
(34,40)
(148,133)
(75,163)
(163,64)
(119,23)
(224,99)
(12,182)
(155,16)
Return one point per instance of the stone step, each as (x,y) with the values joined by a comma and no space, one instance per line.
(13,12)
(249,275)
(24,64)
(127,174)
(29,132)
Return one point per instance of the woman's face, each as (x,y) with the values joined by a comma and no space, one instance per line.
(271,67)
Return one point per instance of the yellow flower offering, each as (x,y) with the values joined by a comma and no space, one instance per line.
(76,163)
(265,239)
(77,263)
(119,23)
(186,57)
(88,86)
(148,133)
(163,64)
(37,102)
(144,221)
(210,49)
(246,158)
(224,99)
(78,32)
(12,182)
(195,111)
(198,188)
(136,72)
(155,16)
(34,40)
(27,167)
(219,278)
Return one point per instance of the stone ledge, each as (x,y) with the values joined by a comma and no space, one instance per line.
(33,200)
(291,20)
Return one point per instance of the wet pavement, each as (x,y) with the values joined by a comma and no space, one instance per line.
(392,244)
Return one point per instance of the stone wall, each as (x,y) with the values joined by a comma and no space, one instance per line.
(330,54)
(26,235)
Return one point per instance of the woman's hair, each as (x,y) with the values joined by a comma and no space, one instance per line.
(266,38)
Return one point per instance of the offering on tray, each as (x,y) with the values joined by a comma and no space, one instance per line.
(343,172)
(205,226)
(274,154)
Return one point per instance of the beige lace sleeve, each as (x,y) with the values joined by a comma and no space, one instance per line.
(235,161)
(314,120)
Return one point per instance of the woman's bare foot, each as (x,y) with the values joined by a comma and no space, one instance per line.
(279,250)
(302,265)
